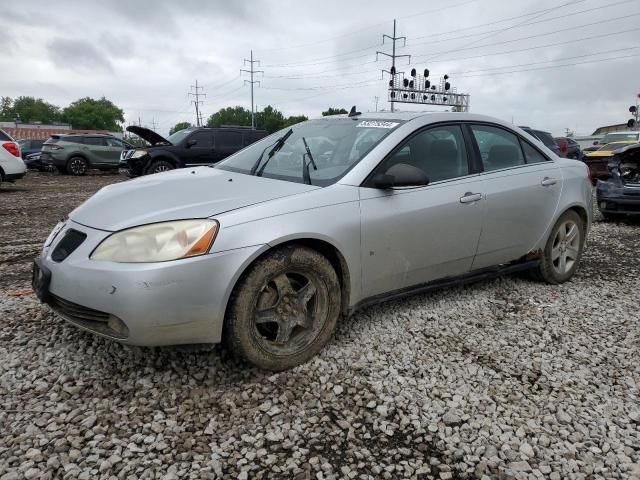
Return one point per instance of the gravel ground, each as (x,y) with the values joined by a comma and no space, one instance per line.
(500,379)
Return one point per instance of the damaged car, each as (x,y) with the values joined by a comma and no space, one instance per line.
(619,195)
(185,148)
(598,160)
(268,248)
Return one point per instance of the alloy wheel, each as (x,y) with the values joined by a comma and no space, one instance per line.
(566,247)
(290,312)
(77,166)
(161,168)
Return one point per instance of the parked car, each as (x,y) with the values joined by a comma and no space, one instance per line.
(274,243)
(569,148)
(33,161)
(598,160)
(618,137)
(545,137)
(619,195)
(76,153)
(185,148)
(12,167)
(29,146)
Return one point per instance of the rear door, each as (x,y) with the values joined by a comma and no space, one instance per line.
(226,142)
(97,150)
(412,236)
(522,189)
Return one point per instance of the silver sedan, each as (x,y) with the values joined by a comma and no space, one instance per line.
(269,247)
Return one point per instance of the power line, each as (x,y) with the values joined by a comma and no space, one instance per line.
(252,82)
(392,72)
(197,102)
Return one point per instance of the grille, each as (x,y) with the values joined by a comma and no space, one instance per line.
(89,318)
(72,239)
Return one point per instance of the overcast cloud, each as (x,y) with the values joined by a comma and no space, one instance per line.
(144,55)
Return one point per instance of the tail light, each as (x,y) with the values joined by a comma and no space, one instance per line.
(12,148)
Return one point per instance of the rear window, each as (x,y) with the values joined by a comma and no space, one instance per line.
(545,138)
(96,141)
(228,139)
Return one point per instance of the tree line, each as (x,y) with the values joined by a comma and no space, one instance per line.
(101,114)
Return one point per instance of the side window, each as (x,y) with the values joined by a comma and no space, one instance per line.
(229,140)
(439,152)
(95,141)
(498,148)
(531,154)
(203,139)
(114,142)
(36,143)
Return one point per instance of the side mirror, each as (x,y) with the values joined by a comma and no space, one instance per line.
(596,142)
(400,175)
(191,143)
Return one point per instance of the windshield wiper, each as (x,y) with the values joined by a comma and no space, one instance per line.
(277,145)
(306,177)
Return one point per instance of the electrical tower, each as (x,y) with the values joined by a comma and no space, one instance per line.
(251,82)
(197,102)
(393,55)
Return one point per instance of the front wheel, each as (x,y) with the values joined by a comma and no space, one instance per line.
(284,310)
(563,250)
(160,166)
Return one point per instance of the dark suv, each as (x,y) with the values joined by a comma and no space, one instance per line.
(76,153)
(545,137)
(185,148)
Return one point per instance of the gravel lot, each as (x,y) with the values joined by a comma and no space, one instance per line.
(502,379)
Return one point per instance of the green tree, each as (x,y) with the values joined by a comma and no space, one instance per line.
(91,114)
(179,126)
(270,119)
(292,120)
(334,111)
(239,116)
(28,109)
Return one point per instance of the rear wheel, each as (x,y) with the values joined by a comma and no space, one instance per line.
(284,310)
(77,166)
(160,166)
(563,250)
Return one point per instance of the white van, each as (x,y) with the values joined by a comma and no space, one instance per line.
(11,165)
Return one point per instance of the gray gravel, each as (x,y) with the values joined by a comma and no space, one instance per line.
(507,378)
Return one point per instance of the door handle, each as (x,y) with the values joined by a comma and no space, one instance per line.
(547,181)
(470,197)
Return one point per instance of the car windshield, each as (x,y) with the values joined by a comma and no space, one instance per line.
(336,145)
(618,137)
(613,146)
(177,137)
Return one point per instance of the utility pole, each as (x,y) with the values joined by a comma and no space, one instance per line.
(153,123)
(197,102)
(393,55)
(375,100)
(251,82)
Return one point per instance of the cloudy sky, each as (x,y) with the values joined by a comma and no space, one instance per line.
(551,64)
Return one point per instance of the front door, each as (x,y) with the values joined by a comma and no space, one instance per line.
(411,236)
(522,188)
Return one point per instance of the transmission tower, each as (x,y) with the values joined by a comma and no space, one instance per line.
(197,102)
(251,82)
(393,55)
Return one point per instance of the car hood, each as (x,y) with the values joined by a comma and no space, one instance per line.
(149,135)
(179,194)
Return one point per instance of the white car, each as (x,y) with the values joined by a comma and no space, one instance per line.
(11,165)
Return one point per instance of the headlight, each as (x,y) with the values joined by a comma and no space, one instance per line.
(158,242)
(139,153)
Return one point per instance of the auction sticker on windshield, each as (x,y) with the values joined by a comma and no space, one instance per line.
(376,124)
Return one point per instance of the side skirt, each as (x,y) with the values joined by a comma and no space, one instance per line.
(475,276)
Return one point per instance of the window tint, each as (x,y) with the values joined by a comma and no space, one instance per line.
(545,138)
(36,143)
(228,139)
(439,152)
(80,140)
(531,154)
(95,141)
(4,137)
(203,139)
(498,148)
(114,142)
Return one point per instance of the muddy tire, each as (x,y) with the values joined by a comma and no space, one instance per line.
(284,309)
(563,250)
(77,166)
(160,166)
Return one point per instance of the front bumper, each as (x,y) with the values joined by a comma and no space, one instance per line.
(148,304)
(620,199)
